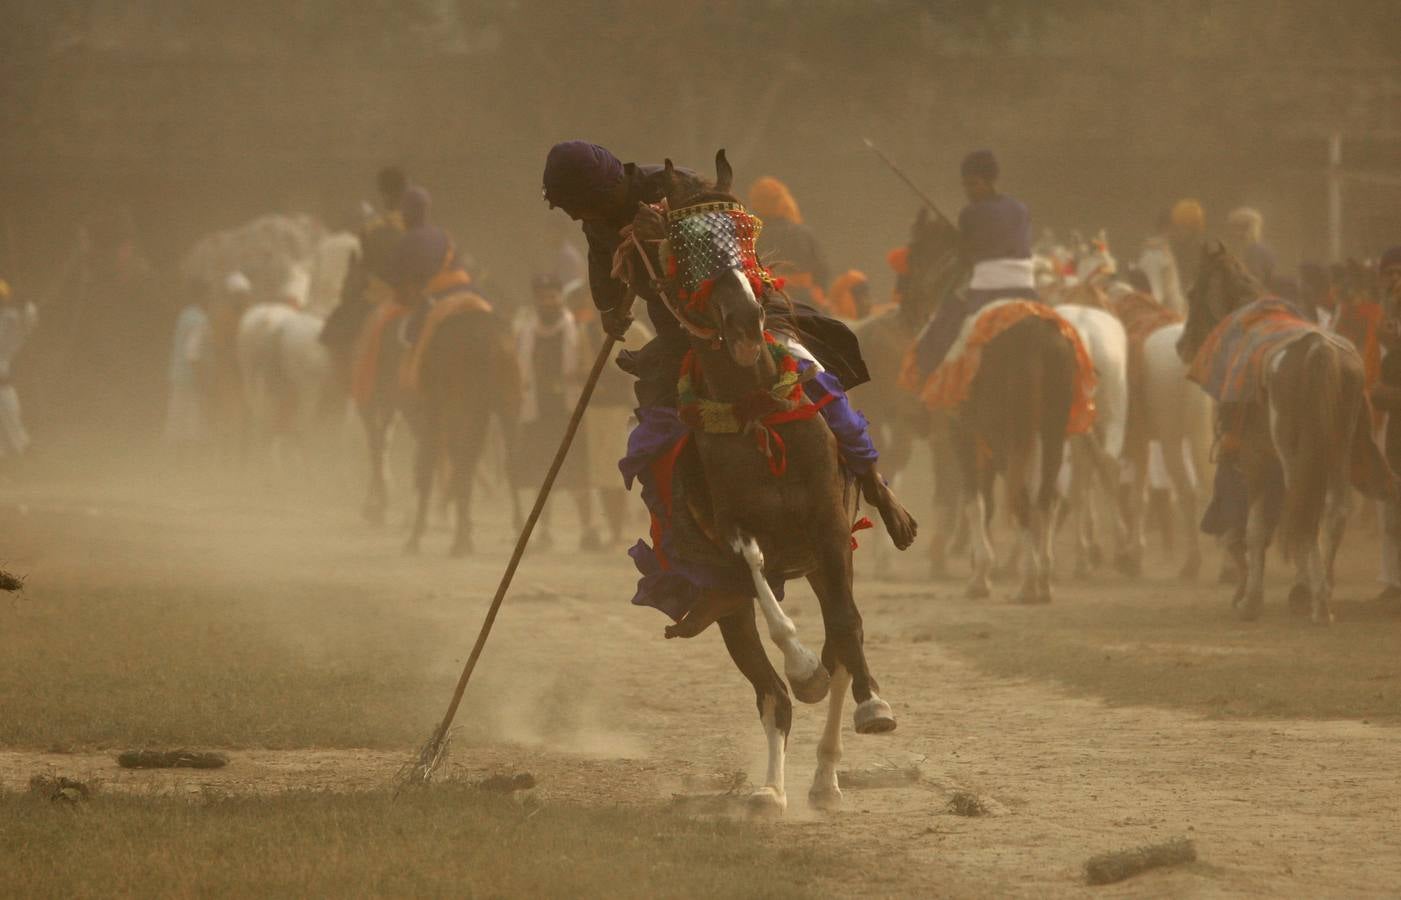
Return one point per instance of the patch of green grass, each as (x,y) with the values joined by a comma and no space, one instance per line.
(1182,647)
(450,840)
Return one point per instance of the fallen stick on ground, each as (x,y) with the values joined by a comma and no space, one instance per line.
(171,759)
(1108,868)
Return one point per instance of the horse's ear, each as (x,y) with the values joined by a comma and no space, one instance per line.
(724,175)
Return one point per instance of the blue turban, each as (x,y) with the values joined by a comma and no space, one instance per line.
(580,176)
(422,254)
(980,164)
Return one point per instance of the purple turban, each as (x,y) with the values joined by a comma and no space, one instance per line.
(414,206)
(422,254)
(980,164)
(580,176)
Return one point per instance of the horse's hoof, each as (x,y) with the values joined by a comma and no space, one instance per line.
(1323,619)
(978,591)
(812,689)
(1032,598)
(873,716)
(1082,570)
(1190,569)
(411,548)
(1300,599)
(826,798)
(1096,556)
(1128,564)
(767,801)
(1249,609)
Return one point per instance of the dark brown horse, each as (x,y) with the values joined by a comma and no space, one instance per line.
(897,418)
(1014,424)
(793,525)
(466,378)
(1307,425)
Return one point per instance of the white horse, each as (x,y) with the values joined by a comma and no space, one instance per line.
(1179,422)
(286,371)
(1095,456)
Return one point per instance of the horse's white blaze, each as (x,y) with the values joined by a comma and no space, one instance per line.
(799,663)
(744,285)
(829,746)
(777,740)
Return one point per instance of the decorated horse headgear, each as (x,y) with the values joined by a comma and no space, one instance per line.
(707,240)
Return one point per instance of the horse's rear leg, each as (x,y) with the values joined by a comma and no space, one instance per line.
(376,441)
(424,460)
(1336,512)
(1257,541)
(805,673)
(741,636)
(465,453)
(1183,484)
(826,792)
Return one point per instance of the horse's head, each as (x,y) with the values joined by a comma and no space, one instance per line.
(932,262)
(731,305)
(1223,285)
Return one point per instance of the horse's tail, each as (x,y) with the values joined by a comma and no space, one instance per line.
(1057,396)
(1316,447)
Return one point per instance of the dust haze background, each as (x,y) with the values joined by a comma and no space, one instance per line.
(196,115)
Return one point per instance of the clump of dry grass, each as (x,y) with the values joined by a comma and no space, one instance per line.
(58,788)
(10,582)
(967,803)
(507,784)
(1108,868)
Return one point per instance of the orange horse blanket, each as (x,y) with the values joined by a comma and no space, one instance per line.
(947,387)
(442,309)
(365,371)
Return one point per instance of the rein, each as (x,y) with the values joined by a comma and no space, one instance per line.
(621,264)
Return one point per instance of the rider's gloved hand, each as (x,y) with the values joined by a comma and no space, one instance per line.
(617,321)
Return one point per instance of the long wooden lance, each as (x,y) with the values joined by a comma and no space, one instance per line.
(430,756)
(909,182)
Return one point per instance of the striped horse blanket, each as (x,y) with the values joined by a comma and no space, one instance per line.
(1232,362)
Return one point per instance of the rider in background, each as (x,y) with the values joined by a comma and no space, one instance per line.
(995,235)
(787,245)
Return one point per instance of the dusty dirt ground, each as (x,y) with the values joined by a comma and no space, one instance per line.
(1297,808)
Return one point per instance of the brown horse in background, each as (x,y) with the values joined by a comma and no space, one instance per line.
(899,421)
(1308,425)
(781,526)
(1013,424)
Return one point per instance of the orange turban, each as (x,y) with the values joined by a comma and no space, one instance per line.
(769,198)
(841,299)
(1188,213)
(899,260)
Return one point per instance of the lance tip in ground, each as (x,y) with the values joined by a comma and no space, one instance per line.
(1107,868)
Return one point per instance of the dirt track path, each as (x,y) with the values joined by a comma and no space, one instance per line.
(1292,808)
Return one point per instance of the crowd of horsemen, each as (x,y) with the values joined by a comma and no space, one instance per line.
(336,285)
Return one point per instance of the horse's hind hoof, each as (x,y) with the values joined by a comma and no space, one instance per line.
(826,799)
(766,801)
(874,716)
(812,689)
(978,592)
(1300,599)
(1249,609)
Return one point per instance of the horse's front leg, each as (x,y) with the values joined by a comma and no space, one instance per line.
(424,462)
(844,644)
(1185,486)
(741,636)
(805,673)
